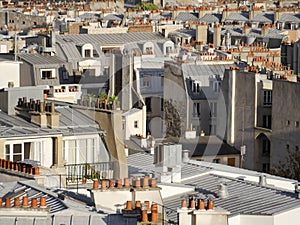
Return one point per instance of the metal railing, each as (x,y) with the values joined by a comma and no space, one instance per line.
(101,170)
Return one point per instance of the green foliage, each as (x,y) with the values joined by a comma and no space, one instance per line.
(102,96)
(112,99)
(290,167)
(147,6)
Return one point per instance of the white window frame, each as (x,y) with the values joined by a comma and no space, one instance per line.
(53,73)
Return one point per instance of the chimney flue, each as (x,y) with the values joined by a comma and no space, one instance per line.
(223,191)
(185,156)
(262,180)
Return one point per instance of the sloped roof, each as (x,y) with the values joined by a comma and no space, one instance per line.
(287,17)
(265,17)
(237,16)
(14,126)
(244,197)
(38,59)
(211,18)
(118,38)
(186,16)
(113,17)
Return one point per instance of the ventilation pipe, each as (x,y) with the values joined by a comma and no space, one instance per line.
(262,180)
(223,191)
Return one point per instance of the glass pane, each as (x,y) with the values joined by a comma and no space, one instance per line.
(17,148)
(71,152)
(82,144)
(27,150)
(17,158)
(7,149)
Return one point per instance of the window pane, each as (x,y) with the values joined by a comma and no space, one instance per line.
(27,150)
(7,149)
(17,149)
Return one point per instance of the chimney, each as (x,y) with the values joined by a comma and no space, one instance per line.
(201,33)
(144,216)
(52,117)
(111,184)
(185,156)
(17,202)
(262,180)
(129,205)
(34,203)
(223,191)
(265,30)
(43,202)
(7,202)
(119,183)
(246,29)
(25,201)
(217,35)
(95,184)
(201,205)
(183,204)
(154,213)
(210,204)
(103,184)
(126,182)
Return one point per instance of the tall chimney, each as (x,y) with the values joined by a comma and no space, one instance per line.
(201,33)
(217,35)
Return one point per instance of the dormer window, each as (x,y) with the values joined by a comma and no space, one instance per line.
(87,51)
(196,87)
(47,74)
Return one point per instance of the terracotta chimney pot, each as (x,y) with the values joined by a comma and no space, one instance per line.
(17,202)
(25,201)
(129,205)
(96,184)
(34,203)
(43,202)
(144,216)
(7,202)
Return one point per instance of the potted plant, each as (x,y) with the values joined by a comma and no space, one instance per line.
(112,101)
(103,100)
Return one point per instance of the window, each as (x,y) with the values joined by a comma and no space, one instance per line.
(231,161)
(212,129)
(266,167)
(196,109)
(24,150)
(213,109)
(196,86)
(287,122)
(82,150)
(106,71)
(216,87)
(297,124)
(297,148)
(265,147)
(168,49)
(267,98)
(216,161)
(148,104)
(136,124)
(267,119)
(287,146)
(47,74)
(87,53)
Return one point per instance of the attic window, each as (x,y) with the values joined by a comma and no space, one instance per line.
(87,53)
(48,74)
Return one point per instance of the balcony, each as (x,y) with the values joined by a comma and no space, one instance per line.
(87,172)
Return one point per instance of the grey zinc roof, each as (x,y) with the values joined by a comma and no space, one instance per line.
(39,59)
(143,163)
(98,39)
(186,16)
(244,197)
(286,17)
(233,31)
(211,18)
(113,17)
(207,146)
(265,17)
(13,126)
(237,16)
(274,33)
(32,190)
(201,71)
